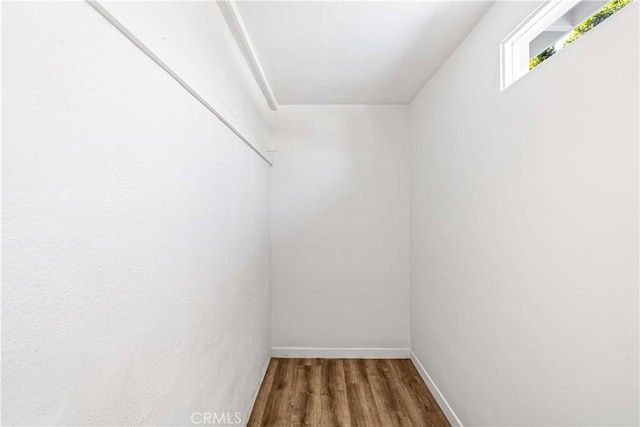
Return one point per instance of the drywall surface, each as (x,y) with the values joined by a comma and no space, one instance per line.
(135,285)
(205,56)
(524,238)
(340,227)
(355,52)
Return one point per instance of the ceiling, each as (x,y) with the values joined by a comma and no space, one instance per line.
(330,52)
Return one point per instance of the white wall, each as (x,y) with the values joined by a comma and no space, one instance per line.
(135,224)
(193,39)
(340,227)
(524,244)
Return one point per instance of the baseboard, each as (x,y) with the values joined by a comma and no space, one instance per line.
(444,405)
(341,353)
(254,395)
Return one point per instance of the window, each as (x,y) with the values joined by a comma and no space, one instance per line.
(551,27)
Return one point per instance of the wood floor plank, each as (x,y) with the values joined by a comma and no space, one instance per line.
(381,394)
(338,391)
(278,409)
(263,394)
(344,392)
(327,409)
(314,403)
(421,394)
(416,416)
(399,404)
(369,399)
(419,412)
(360,395)
(300,393)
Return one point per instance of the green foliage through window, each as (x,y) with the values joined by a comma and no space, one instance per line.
(588,24)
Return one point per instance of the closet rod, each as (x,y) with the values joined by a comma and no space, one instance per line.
(136,41)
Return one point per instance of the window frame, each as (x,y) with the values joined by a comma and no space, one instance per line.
(514,49)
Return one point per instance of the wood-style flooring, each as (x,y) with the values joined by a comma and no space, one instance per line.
(344,392)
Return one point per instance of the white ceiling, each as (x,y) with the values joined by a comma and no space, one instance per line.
(329,52)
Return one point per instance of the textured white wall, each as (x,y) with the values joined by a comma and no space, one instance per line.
(192,37)
(340,227)
(135,228)
(524,231)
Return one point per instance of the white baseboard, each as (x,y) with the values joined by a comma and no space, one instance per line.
(444,405)
(254,395)
(341,353)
